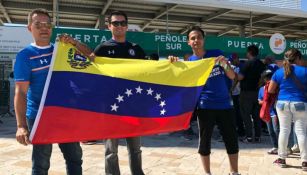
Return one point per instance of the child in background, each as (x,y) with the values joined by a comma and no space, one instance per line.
(273,125)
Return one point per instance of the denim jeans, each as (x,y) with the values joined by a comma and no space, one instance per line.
(287,112)
(41,154)
(135,158)
(273,128)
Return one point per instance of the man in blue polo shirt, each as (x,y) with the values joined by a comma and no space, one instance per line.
(214,105)
(31,70)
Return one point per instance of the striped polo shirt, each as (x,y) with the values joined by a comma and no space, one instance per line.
(32,65)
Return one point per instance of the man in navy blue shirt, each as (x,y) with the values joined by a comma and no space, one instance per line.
(214,105)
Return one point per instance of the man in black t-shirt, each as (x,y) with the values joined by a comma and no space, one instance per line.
(250,75)
(115,49)
(119,47)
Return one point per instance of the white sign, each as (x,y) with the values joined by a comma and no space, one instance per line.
(13,39)
(278,43)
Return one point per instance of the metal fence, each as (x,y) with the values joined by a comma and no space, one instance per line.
(4,97)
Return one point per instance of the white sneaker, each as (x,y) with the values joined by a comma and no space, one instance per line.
(295,148)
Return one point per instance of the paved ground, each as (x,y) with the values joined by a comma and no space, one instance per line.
(162,155)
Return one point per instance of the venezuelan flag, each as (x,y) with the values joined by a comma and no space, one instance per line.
(115,98)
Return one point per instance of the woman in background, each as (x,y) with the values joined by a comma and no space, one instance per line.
(291,104)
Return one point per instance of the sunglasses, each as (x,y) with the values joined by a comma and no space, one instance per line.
(119,23)
(40,25)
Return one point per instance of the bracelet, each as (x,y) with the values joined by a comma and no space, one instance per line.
(225,66)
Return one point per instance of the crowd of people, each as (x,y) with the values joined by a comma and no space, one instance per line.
(230,99)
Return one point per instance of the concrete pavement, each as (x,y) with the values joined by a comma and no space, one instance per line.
(162,155)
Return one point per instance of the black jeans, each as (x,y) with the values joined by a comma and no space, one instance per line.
(250,112)
(239,120)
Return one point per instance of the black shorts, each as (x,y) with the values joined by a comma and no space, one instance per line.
(225,120)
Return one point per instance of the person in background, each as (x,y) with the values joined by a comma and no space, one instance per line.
(293,147)
(154,56)
(249,77)
(273,124)
(189,133)
(235,94)
(291,104)
(270,63)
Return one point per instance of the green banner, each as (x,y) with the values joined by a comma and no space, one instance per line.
(300,45)
(238,45)
(163,44)
(172,44)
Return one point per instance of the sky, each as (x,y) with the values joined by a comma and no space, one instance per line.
(304,5)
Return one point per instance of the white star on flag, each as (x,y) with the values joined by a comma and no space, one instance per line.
(114,107)
(120,98)
(162,104)
(162,112)
(149,91)
(158,96)
(139,90)
(128,92)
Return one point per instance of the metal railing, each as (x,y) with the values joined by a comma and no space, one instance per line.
(286,4)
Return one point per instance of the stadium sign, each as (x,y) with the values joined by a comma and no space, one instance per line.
(15,38)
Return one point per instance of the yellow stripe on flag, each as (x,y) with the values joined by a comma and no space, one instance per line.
(157,72)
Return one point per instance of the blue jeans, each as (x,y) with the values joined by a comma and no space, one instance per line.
(273,128)
(41,154)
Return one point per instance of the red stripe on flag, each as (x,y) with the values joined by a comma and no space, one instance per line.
(61,125)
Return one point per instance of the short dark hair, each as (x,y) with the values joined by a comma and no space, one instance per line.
(117,13)
(253,50)
(39,11)
(196,28)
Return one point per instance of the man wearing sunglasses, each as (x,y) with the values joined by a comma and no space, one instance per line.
(119,47)
(31,70)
